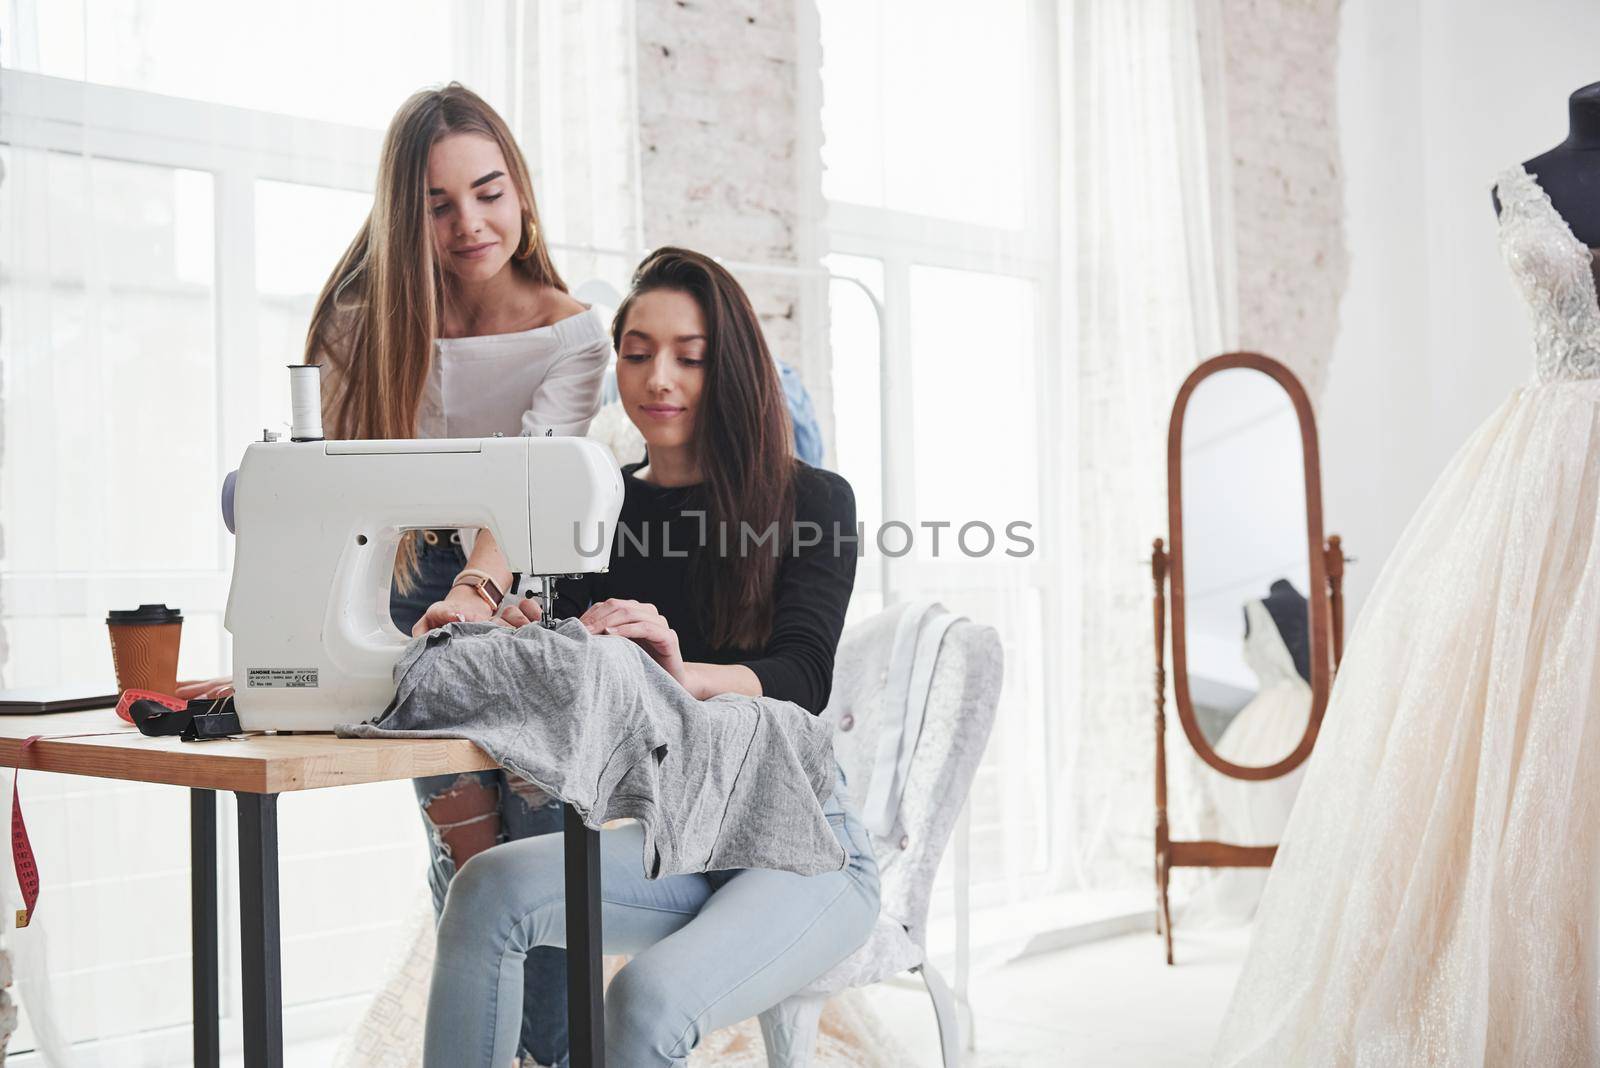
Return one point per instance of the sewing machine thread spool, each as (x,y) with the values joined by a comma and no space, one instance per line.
(305,402)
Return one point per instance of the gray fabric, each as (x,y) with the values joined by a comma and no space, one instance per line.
(732,782)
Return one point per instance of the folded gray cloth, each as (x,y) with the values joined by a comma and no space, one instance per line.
(733,782)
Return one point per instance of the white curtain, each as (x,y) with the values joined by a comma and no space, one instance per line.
(946,333)
(1152,304)
(579,128)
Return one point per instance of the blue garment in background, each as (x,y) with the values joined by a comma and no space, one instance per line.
(807,434)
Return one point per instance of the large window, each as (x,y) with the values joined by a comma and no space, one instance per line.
(931,109)
(179,178)
(941,180)
(345,63)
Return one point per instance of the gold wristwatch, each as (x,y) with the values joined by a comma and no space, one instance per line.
(483,586)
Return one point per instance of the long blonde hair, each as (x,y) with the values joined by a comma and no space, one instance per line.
(378,314)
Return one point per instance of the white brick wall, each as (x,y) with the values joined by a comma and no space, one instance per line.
(724,109)
(1284,179)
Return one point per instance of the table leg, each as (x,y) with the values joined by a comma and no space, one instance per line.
(261,950)
(586,1017)
(203,926)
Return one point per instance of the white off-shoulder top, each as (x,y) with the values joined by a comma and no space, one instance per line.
(537,382)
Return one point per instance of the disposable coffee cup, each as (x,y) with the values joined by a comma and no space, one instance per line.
(144,647)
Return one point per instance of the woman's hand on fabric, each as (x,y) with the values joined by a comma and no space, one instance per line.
(205,689)
(617,610)
(461,605)
(522,613)
(643,625)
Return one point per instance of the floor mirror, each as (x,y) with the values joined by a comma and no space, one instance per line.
(1252,592)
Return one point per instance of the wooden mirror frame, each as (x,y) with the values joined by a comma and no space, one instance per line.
(1321,663)
(1324,602)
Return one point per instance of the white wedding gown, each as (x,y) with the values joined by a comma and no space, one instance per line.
(1434,901)
(1264,732)
(1250,812)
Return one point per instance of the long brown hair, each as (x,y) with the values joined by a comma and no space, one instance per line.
(743,441)
(378,315)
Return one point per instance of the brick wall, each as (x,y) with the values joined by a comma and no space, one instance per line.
(726,154)
(1283,180)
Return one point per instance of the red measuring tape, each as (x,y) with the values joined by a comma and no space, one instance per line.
(22,851)
(177,704)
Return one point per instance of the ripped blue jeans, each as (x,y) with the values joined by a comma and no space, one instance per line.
(470,812)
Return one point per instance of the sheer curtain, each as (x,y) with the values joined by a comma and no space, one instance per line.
(1038,291)
(1151,278)
(943,220)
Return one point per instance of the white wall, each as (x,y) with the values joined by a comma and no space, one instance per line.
(1436,98)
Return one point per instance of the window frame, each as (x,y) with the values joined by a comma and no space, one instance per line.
(901,240)
(40,112)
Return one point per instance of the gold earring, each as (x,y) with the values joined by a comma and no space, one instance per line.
(530,232)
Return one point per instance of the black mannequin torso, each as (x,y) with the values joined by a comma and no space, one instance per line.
(1287,607)
(1570,172)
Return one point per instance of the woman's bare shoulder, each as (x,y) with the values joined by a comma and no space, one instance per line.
(559,305)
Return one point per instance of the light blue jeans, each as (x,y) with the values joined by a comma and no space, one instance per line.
(708,950)
(521,812)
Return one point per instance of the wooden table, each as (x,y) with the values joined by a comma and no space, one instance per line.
(257,768)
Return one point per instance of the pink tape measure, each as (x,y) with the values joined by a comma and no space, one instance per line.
(22,850)
(177,704)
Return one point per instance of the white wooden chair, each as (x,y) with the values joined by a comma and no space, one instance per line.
(910,763)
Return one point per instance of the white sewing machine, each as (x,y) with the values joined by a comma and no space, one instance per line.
(318,525)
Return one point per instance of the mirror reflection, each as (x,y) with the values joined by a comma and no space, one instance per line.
(1246,567)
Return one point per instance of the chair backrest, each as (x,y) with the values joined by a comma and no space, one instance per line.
(960,712)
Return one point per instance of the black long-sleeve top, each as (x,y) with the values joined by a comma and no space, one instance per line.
(661,531)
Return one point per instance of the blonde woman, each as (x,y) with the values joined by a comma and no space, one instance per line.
(446,318)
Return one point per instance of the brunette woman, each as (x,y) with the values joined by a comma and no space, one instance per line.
(722,611)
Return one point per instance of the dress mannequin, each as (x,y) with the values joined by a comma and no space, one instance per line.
(1265,731)
(1288,609)
(1570,172)
(1433,899)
